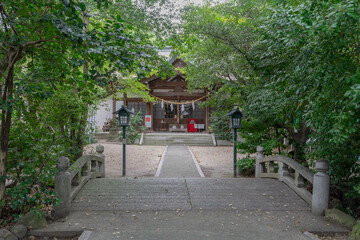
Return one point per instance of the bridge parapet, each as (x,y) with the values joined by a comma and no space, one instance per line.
(70,179)
(295,175)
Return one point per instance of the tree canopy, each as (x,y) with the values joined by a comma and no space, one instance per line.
(57,59)
(292,67)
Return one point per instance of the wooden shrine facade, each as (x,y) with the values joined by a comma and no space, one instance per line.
(174,105)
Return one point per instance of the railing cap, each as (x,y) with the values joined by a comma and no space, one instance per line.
(63,164)
(322,165)
(99,149)
(260,149)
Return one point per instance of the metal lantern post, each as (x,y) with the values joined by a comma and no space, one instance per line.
(124,120)
(235,123)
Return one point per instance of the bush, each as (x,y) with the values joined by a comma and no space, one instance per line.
(135,128)
(42,131)
(246,166)
(220,126)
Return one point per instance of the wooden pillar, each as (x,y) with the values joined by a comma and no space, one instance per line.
(148,108)
(114,107)
(149,111)
(152,116)
(125,100)
(178,111)
(207,113)
(207,118)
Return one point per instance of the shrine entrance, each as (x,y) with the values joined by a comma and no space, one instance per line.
(172,117)
(175,107)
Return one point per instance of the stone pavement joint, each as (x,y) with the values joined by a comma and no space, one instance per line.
(188,192)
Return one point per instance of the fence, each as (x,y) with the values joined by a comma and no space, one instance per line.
(295,176)
(70,179)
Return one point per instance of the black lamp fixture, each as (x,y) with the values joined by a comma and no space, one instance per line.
(235,118)
(124,116)
(124,121)
(235,123)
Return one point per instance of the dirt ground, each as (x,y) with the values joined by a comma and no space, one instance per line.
(141,161)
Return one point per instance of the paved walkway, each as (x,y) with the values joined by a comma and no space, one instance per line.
(181,205)
(177,163)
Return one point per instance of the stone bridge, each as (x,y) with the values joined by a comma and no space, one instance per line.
(187,208)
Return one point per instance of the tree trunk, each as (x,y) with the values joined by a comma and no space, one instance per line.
(83,117)
(300,137)
(81,133)
(74,150)
(5,131)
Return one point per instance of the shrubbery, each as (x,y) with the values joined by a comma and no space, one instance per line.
(135,128)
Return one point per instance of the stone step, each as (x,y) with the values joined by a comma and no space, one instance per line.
(178,139)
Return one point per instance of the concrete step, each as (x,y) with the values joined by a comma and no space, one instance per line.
(178,139)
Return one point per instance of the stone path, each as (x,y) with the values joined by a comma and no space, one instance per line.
(177,163)
(191,208)
(187,194)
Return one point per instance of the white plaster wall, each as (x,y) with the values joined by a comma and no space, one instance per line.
(119,104)
(104,111)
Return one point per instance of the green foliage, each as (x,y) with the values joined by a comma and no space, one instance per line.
(220,126)
(246,166)
(318,73)
(293,68)
(42,131)
(136,127)
(58,58)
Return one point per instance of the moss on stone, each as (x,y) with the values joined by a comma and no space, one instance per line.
(355,234)
(337,216)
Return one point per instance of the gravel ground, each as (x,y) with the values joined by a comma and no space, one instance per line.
(141,161)
(216,162)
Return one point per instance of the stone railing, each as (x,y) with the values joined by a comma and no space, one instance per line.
(294,175)
(70,179)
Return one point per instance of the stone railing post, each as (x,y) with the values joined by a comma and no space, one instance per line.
(321,185)
(283,171)
(100,150)
(63,188)
(259,167)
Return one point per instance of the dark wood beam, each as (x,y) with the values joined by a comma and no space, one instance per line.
(167,84)
(175,94)
(170,88)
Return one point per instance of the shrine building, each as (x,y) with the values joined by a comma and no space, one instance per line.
(175,109)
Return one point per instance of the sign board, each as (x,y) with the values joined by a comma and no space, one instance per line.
(201,126)
(148,121)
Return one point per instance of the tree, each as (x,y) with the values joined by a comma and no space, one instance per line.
(300,63)
(51,50)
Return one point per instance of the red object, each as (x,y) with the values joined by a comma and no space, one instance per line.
(191,125)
